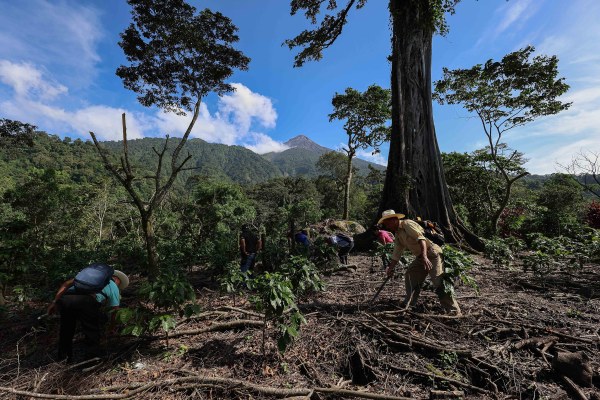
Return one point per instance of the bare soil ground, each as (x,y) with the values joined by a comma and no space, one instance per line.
(520,337)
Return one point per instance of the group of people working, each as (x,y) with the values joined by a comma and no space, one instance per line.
(98,287)
(394,228)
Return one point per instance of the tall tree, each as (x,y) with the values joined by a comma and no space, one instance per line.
(505,94)
(415,181)
(16,132)
(365,114)
(177,57)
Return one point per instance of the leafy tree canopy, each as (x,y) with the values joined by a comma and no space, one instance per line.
(508,93)
(178,57)
(16,132)
(365,115)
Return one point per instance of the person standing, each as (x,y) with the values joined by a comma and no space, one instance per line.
(410,236)
(250,245)
(86,299)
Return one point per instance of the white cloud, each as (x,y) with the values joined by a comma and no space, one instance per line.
(516,12)
(374,158)
(27,81)
(546,159)
(62,35)
(33,95)
(513,15)
(264,144)
(244,106)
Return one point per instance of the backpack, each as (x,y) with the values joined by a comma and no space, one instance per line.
(433,232)
(93,278)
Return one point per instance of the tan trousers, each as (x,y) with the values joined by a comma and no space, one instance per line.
(415,276)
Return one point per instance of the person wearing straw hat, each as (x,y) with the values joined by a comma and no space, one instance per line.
(409,235)
(88,307)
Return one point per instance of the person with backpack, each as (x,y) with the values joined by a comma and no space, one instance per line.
(85,299)
(344,244)
(250,245)
(409,235)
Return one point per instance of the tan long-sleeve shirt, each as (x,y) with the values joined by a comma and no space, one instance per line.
(408,235)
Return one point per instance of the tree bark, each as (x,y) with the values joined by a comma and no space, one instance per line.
(415,184)
(151,251)
(346,215)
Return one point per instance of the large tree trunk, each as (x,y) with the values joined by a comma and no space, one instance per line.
(415,183)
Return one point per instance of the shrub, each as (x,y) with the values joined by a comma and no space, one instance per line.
(303,275)
(542,264)
(275,298)
(169,295)
(457,266)
(499,252)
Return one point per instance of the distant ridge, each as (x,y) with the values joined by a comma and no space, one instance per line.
(302,156)
(304,142)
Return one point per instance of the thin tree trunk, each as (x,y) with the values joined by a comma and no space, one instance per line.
(504,202)
(346,215)
(151,251)
(415,182)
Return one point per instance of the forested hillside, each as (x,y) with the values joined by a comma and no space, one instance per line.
(178,269)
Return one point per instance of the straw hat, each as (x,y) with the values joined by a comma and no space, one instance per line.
(389,214)
(124,279)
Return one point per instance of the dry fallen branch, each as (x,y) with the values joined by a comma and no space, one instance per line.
(443,378)
(240,323)
(207,380)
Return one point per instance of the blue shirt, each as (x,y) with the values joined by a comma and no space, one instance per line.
(302,239)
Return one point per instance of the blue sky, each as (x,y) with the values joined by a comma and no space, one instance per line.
(58,58)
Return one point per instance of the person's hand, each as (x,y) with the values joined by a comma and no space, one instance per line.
(427,264)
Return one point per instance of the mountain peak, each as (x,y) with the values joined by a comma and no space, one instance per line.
(304,143)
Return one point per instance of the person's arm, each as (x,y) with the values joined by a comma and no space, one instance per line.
(259,245)
(63,288)
(398,249)
(426,263)
(243,246)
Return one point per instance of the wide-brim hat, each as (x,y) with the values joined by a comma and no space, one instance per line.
(387,214)
(124,279)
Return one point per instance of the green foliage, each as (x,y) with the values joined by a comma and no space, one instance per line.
(176,55)
(15,133)
(275,298)
(457,266)
(505,94)
(365,115)
(560,199)
(540,263)
(383,251)
(233,280)
(313,42)
(168,296)
(324,256)
(499,252)
(303,275)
